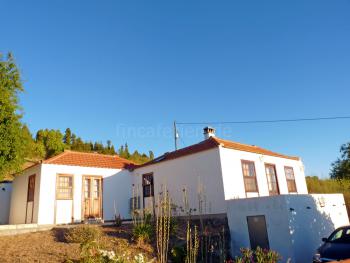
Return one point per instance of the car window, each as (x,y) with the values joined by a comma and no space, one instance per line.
(346,236)
(336,236)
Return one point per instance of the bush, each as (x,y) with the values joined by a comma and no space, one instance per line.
(178,254)
(142,233)
(83,234)
(257,256)
(117,220)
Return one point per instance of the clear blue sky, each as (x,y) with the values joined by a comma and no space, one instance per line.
(100,66)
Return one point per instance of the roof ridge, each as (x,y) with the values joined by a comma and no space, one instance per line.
(260,148)
(54,157)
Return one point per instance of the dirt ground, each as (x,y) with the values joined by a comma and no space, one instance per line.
(50,246)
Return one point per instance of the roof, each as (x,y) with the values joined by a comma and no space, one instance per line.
(211,143)
(96,160)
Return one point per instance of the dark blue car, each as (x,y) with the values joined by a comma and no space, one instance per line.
(335,247)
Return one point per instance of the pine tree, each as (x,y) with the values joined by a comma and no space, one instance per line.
(151,155)
(67,139)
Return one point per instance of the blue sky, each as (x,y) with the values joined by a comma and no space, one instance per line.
(124,70)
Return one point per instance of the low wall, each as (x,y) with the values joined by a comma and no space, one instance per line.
(295,223)
(5,201)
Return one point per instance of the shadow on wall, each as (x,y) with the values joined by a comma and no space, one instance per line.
(309,221)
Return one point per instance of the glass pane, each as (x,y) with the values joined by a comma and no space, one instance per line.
(87,188)
(96,188)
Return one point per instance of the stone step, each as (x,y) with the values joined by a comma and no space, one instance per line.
(7,230)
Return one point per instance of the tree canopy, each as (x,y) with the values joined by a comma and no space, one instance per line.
(341,167)
(12,146)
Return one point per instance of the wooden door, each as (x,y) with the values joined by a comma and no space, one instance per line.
(258,232)
(30,199)
(272,179)
(92,193)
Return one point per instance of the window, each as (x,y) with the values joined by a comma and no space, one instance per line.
(31,188)
(249,176)
(340,236)
(147,184)
(272,182)
(64,187)
(292,188)
(96,188)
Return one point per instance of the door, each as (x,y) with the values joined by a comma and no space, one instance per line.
(30,199)
(258,232)
(272,179)
(92,201)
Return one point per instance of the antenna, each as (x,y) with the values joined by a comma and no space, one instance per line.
(176,135)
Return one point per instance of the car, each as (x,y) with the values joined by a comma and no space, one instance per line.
(336,247)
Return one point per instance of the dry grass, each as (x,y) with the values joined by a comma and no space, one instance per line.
(51,246)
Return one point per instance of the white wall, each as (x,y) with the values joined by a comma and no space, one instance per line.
(189,172)
(275,211)
(233,176)
(19,196)
(314,217)
(295,223)
(117,193)
(116,186)
(5,199)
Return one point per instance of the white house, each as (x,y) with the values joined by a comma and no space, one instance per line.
(216,170)
(71,187)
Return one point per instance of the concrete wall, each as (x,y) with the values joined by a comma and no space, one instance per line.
(190,172)
(295,223)
(233,176)
(116,186)
(5,201)
(18,208)
(314,217)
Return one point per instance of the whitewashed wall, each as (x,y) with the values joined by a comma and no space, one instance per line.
(116,186)
(5,202)
(19,196)
(189,172)
(233,176)
(295,223)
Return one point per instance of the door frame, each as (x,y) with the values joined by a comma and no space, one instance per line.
(27,201)
(251,235)
(91,177)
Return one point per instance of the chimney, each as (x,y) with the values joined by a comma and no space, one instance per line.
(208,132)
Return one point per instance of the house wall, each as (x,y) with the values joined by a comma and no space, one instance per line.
(5,201)
(189,172)
(233,176)
(19,207)
(295,223)
(116,186)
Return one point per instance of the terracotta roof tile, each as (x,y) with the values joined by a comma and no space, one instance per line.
(251,148)
(210,143)
(89,160)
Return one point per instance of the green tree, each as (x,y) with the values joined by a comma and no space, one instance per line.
(52,141)
(151,155)
(341,167)
(12,148)
(33,150)
(67,139)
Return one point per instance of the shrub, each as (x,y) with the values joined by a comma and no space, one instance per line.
(83,234)
(257,256)
(142,233)
(117,220)
(178,254)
